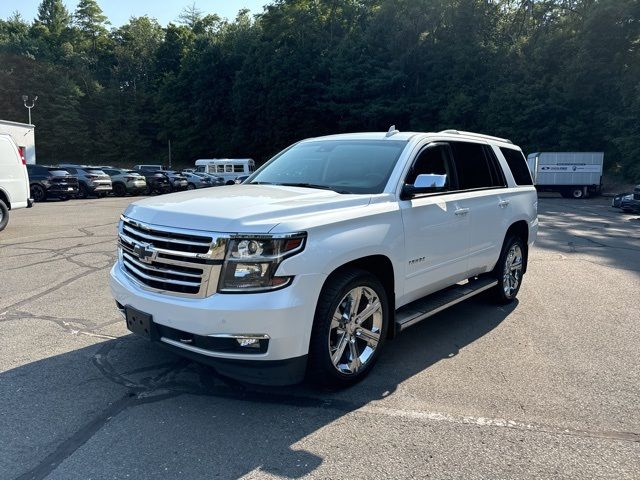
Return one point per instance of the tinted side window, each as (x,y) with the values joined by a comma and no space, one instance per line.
(471,165)
(431,160)
(518,166)
(238,168)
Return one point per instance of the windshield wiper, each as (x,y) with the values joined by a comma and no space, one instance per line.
(312,185)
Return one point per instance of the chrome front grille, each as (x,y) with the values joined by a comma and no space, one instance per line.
(170,260)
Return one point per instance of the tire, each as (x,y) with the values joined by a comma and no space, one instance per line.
(119,190)
(82,191)
(577,193)
(230,182)
(38,193)
(512,255)
(191,186)
(346,334)
(4,215)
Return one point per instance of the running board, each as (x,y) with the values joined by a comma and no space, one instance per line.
(425,307)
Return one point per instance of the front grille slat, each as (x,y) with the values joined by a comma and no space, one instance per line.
(181,263)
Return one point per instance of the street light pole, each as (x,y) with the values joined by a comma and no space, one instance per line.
(25,99)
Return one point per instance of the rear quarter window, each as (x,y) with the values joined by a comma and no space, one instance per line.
(518,166)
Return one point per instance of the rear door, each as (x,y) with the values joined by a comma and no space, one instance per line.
(482,181)
(436,227)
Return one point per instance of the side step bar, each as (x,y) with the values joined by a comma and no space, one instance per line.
(428,306)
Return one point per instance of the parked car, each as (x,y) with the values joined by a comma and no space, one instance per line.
(215,180)
(126,181)
(157,181)
(241,179)
(149,168)
(14,179)
(312,265)
(177,181)
(91,180)
(628,202)
(51,182)
(196,181)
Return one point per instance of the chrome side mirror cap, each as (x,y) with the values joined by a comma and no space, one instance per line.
(430,181)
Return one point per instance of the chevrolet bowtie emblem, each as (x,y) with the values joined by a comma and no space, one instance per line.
(145,252)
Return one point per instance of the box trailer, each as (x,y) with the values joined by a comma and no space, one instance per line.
(572,174)
(24,136)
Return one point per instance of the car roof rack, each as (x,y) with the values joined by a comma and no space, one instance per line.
(478,135)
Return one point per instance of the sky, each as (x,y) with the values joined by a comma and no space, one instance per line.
(119,11)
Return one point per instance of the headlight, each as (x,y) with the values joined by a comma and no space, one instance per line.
(251,262)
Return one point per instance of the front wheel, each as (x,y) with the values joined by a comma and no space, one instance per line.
(349,329)
(509,270)
(191,186)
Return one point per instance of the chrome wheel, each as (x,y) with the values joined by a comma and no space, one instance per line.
(355,330)
(512,271)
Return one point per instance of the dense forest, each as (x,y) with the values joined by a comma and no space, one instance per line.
(549,74)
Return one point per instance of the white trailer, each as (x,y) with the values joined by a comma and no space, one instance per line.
(572,174)
(24,136)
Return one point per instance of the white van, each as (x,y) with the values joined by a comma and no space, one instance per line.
(227,168)
(14,180)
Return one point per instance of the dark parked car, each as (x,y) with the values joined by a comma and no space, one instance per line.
(178,181)
(157,181)
(51,182)
(628,202)
(240,179)
(91,180)
(126,181)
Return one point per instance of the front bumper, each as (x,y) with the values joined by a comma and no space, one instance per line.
(285,316)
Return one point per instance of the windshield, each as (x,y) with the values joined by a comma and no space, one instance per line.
(346,166)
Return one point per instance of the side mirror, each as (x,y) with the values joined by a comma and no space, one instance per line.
(425,183)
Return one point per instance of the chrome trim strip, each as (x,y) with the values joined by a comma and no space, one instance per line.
(148,266)
(160,279)
(165,239)
(210,353)
(257,336)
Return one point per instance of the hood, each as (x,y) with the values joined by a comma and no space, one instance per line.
(239,208)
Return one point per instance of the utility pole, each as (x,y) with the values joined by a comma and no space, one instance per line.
(169,140)
(25,99)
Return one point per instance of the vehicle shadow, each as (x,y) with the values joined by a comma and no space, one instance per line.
(590,228)
(125,407)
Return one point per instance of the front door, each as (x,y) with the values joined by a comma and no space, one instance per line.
(436,228)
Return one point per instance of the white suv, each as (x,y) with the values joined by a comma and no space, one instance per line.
(329,249)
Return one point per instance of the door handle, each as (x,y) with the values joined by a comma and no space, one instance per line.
(503,203)
(462,211)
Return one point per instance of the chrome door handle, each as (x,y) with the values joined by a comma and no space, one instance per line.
(462,211)
(503,203)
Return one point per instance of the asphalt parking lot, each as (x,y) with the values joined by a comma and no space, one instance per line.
(546,388)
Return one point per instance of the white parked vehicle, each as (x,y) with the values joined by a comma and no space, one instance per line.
(227,168)
(332,247)
(14,179)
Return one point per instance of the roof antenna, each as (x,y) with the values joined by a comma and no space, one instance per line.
(392,131)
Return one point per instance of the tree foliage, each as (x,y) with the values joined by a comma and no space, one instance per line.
(549,74)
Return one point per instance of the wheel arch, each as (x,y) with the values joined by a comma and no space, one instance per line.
(381,267)
(5,198)
(521,229)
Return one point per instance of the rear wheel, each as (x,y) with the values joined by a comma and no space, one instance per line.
(38,193)
(4,215)
(119,190)
(82,191)
(191,186)
(577,193)
(349,329)
(509,270)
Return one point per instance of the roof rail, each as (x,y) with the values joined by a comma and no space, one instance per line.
(479,135)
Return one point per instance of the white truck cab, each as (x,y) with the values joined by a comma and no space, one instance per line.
(328,250)
(14,179)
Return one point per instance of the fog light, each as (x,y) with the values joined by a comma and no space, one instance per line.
(248,342)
